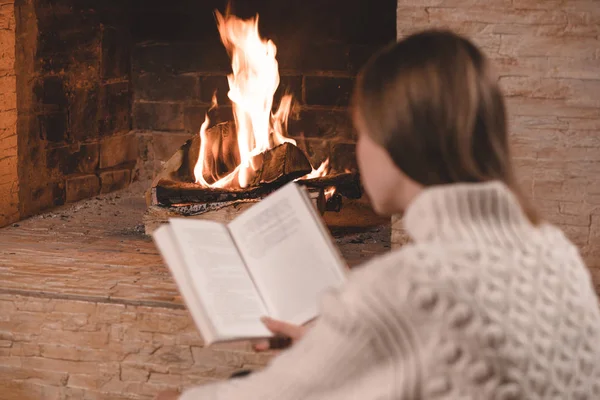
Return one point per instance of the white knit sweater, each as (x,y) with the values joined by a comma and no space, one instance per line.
(483,305)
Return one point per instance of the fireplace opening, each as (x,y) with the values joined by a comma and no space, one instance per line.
(109,91)
(261,101)
(319,49)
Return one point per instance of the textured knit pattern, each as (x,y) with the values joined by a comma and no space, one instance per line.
(482,305)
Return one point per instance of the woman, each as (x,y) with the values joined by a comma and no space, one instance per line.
(488,302)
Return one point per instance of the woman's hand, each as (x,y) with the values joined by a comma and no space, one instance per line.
(168,395)
(286,334)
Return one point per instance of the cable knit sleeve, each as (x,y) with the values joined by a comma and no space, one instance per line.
(338,359)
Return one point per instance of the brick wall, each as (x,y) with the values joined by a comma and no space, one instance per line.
(64,349)
(74,101)
(547,55)
(179,61)
(9,180)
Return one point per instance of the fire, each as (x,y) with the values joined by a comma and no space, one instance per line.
(252,85)
(321,171)
(329,192)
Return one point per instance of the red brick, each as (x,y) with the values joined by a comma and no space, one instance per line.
(114,180)
(572,190)
(491,15)
(77,367)
(118,150)
(537,122)
(131,374)
(579,235)
(593,196)
(161,358)
(536,4)
(575,92)
(546,107)
(25,349)
(55,378)
(91,381)
(410,19)
(74,306)
(548,46)
(88,339)
(82,187)
(584,172)
(7,52)
(9,178)
(163,323)
(166,144)
(576,208)
(455,3)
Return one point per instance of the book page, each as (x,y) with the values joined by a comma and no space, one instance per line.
(165,241)
(220,278)
(291,259)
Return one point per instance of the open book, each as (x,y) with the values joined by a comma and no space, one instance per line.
(275,259)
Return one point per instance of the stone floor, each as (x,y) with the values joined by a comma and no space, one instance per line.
(88,310)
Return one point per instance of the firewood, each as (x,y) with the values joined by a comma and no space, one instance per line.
(180,167)
(222,154)
(347,183)
(167,193)
(282,163)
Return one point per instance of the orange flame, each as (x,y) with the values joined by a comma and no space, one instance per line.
(329,192)
(252,85)
(321,171)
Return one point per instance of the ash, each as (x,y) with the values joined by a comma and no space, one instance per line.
(120,212)
(119,215)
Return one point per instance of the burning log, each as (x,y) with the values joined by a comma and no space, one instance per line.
(347,184)
(285,162)
(222,158)
(167,193)
(282,163)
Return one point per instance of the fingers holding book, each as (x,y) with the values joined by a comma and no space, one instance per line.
(286,334)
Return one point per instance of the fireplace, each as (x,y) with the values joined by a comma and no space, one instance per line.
(107,91)
(320,47)
(98,94)
(251,146)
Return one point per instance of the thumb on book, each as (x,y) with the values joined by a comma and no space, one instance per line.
(283,328)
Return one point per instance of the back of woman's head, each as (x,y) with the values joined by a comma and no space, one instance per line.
(432,102)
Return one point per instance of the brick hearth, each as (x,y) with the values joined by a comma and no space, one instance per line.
(88,311)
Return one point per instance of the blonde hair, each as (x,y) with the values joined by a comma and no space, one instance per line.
(432,103)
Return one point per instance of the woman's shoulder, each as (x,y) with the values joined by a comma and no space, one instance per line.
(458,271)
(419,261)
(447,270)
(396,277)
